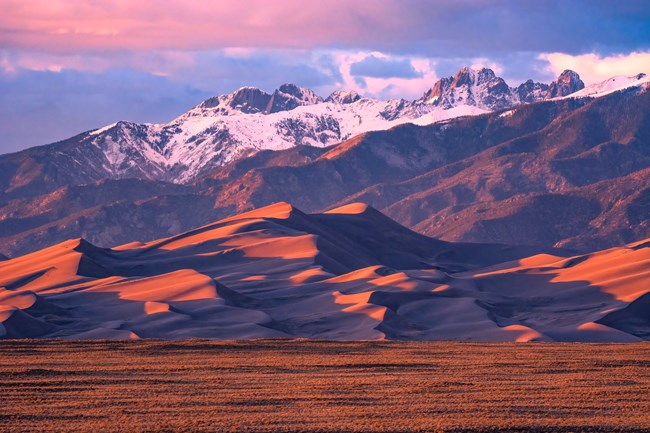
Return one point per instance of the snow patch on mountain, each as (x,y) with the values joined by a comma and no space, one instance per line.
(104,129)
(611,85)
(480,88)
(343,97)
(200,139)
(226,127)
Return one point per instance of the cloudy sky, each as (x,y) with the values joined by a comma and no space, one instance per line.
(68,66)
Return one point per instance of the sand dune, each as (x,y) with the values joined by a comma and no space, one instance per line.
(350,273)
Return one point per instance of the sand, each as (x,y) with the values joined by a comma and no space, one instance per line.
(347,274)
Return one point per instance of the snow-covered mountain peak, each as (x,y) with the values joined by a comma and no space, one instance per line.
(251,100)
(480,88)
(568,76)
(246,100)
(567,83)
(289,96)
(226,127)
(470,76)
(530,91)
(301,93)
(343,97)
(611,85)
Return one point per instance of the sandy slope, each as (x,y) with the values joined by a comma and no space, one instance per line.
(350,273)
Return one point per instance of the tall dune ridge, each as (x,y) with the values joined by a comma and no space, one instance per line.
(350,273)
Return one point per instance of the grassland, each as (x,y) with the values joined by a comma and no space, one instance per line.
(287,386)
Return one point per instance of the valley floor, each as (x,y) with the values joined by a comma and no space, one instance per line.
(299,385)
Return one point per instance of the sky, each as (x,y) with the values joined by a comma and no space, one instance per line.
(68,66)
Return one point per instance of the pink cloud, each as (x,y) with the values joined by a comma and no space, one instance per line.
(594,68)
(391,87)
(440,28)
(65,26)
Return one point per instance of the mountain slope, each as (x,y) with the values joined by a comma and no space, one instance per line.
(350,273)
(227,127)
(214,133)
(481,88)
(570,171)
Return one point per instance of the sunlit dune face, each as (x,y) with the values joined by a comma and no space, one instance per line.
(291,247)
(356,298)
(591,331)
(5,313)
(254,278)
(309,276)
(621,272)
(398,280)
(239,231)
(129,246)
(591,326)
(441,288)
(183,285)
(39,271)
(360,304)
(61,257)
(350,209)
(279,210)
(206,234)
(376,312)
(152,307)
(524,333)
(368,273)
(20,300)
(532,262)
(540,260)
(50,286)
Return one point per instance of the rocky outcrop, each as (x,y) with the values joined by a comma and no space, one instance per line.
(343,97)
(480,88)
(531,91)
(568,82)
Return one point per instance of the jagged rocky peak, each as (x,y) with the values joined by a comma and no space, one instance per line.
(432,95)
(301,93)
(251,100)
(343,97)
(480,88)
(289,96)
(118,130)
(469,76)
(568,82)
(530,91)
(247,100)
(464,77)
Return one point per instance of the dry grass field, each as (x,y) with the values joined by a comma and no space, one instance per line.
(290,386)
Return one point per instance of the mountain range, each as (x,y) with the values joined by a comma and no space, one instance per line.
(349,273)
(473,160)
(228,127)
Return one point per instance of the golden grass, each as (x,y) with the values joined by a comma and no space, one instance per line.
(288,386)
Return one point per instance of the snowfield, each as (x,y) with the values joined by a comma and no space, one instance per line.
(201,138)
(227,127)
